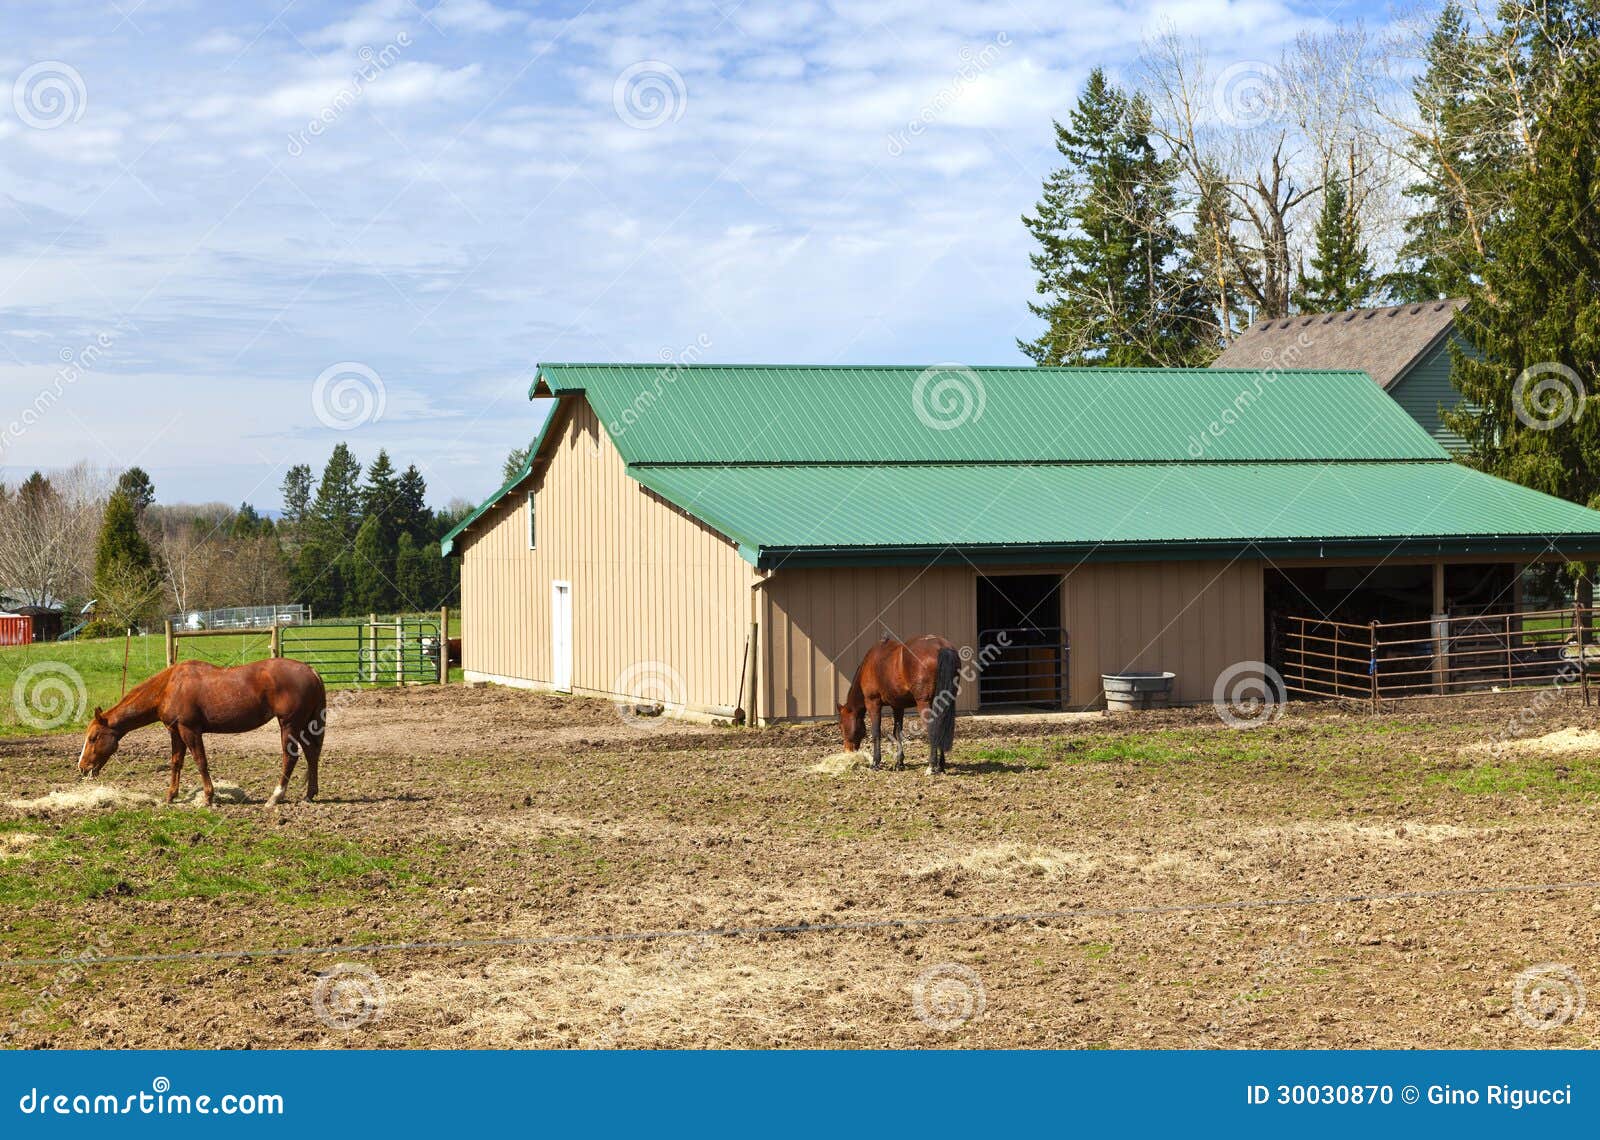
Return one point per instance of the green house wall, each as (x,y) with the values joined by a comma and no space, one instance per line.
(1425,388)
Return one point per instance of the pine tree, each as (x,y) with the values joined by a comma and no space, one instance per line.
(1342,272)
(515,458)
(1117,289)
(1538,307)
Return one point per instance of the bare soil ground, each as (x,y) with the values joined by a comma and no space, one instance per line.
(504,837)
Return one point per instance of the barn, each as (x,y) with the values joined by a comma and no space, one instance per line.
(734,537)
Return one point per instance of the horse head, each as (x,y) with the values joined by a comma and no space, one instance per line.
(100,742)
(852,726)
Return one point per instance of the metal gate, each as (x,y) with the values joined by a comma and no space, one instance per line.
(1025,665)
(401,650)
(397,651)
(1439,657)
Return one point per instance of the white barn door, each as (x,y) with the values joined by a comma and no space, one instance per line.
(561,636)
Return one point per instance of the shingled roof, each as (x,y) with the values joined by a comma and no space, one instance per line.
(1383,343)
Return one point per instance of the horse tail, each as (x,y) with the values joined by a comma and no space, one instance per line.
(943,730)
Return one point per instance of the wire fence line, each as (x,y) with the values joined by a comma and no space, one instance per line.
(800,928)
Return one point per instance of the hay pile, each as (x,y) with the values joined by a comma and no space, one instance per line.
(82,797)
(105,797)
(838,763)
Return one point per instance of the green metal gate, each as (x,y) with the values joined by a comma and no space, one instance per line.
(391,651)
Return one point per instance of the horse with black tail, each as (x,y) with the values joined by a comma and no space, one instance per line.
(922,672)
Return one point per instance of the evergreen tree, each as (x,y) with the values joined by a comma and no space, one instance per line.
(417,574)
(382,489)
(1116,287)
(373,570)
(412,513)
(319,576)
(296,495)
(336,513)
(1440,256)
(135,483)
(124,571)
(1342,273)
(515,458)
(1537,307)
(120,540)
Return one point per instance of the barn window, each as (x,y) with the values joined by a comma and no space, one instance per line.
(530,521)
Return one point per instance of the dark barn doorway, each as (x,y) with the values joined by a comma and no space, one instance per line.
(1022,649)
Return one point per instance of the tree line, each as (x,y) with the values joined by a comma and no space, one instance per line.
(347,545)
(1191,201)
(366,542)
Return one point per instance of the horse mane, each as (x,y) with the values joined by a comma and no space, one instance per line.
(138,705)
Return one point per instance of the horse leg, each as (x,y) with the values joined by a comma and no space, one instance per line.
(935,761)
(291,749)
(312,739)
(899,739)
(875,714)
(198,747)
(177,761)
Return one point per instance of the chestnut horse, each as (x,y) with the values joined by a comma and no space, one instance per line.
(899,674)
(195,697)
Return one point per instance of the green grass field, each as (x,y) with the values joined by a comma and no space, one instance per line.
(55,686)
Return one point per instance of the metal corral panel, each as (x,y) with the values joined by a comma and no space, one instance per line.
(779,514)
(770,414)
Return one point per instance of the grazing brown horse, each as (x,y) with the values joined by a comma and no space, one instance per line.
(899,674)
(194,697)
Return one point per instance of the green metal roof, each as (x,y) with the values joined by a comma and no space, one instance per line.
(952,414)
(828,465)
(799,514)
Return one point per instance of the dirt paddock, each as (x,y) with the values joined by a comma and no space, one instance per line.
(478,852)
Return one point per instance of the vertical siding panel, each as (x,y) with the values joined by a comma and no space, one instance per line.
(648,583)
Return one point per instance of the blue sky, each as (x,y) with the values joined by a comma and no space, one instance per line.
(205,207)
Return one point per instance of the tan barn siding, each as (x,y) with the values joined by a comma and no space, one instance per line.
(1194,618)
(818,623)
(649,584)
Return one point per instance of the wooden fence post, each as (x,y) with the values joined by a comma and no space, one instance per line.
(277,640)
(172,647)
(372,634)
(444,645)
